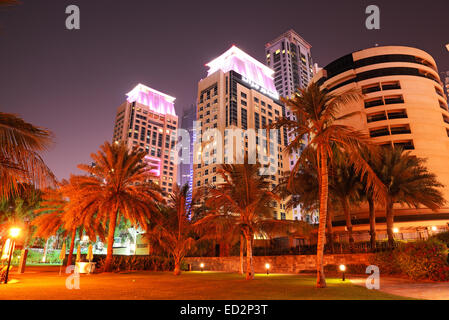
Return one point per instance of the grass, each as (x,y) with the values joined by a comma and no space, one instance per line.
(49,285)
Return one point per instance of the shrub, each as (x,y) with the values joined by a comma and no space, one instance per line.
(424,260)
(136,263)
(443,237)
(387,262)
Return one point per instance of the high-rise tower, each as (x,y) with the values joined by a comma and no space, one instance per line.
(148,121)
(238,93)
(289,55)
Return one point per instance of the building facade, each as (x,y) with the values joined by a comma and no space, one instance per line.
(148,121)
(289,55)
(403,105)
(238,93)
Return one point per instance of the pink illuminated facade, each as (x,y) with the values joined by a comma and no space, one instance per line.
(147,121)
(252,71)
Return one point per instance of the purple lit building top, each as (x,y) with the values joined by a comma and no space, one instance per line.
(242,63)
(157,101)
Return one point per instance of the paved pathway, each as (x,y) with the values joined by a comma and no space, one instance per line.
(409,288)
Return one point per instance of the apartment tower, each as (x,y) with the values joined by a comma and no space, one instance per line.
(147,121)
(238,93)
(289,55)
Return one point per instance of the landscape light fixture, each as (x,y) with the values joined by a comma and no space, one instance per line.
(267,266)
(343,270)
(434,228)
(395,230)
(13,233)
(202,267)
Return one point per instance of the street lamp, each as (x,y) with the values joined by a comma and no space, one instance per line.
(343,269)
(202,267)
(267,266)
(13,233)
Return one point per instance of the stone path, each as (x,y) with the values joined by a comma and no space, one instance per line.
(409,288)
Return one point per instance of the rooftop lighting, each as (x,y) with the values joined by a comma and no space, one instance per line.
(157,101)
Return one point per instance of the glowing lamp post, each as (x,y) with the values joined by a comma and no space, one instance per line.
(267,266)
(343,270)
(202,267)
(13,233)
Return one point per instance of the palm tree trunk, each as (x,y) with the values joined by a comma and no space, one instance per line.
(347,212)
(242,247)
(177,271)
(72,247)
(390,222)
(111,234)
(44,258)
(372,223)
(324,189)
(330,231)
(249,256)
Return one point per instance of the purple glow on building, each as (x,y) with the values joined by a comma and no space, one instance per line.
(155,164)
(157,101)
(253,71)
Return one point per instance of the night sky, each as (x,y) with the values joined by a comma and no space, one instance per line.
(72,82)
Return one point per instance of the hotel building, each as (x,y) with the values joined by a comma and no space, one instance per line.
(403,106)
(289,55)
(238,93)
(148,122)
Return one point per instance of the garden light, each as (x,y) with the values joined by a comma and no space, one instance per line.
(395,230)
(267,266)
(434,228)
(14,232)
(343,270)
(202,267)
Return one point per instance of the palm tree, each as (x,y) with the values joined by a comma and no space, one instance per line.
(408,182)
(316,113)
(244,202)
(118,185)
(20,162)
(346,187)
(174,229)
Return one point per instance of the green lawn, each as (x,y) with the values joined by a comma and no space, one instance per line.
(48,285)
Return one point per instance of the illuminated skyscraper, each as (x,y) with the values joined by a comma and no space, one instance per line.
(289,55)
(238,93)
(148,121)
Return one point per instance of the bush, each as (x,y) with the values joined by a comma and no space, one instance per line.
(424,260)
(136,263)
(443,237)
(387,262)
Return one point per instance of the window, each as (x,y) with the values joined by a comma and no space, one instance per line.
(371,88)
(394,99)
(373,117)
(244,96)
(446,119)
(374,102)
(397,114)
(393,85)
(406,145)
(403,129)
(379,132)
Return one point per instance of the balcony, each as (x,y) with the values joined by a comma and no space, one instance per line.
(374,103)
(400,130)
(401,114)
(394,100)
(376,117)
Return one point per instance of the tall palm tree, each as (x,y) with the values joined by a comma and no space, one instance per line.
(174,230)
(20,162)
(244,202)
(118,185)
(408,182)
(317,118)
